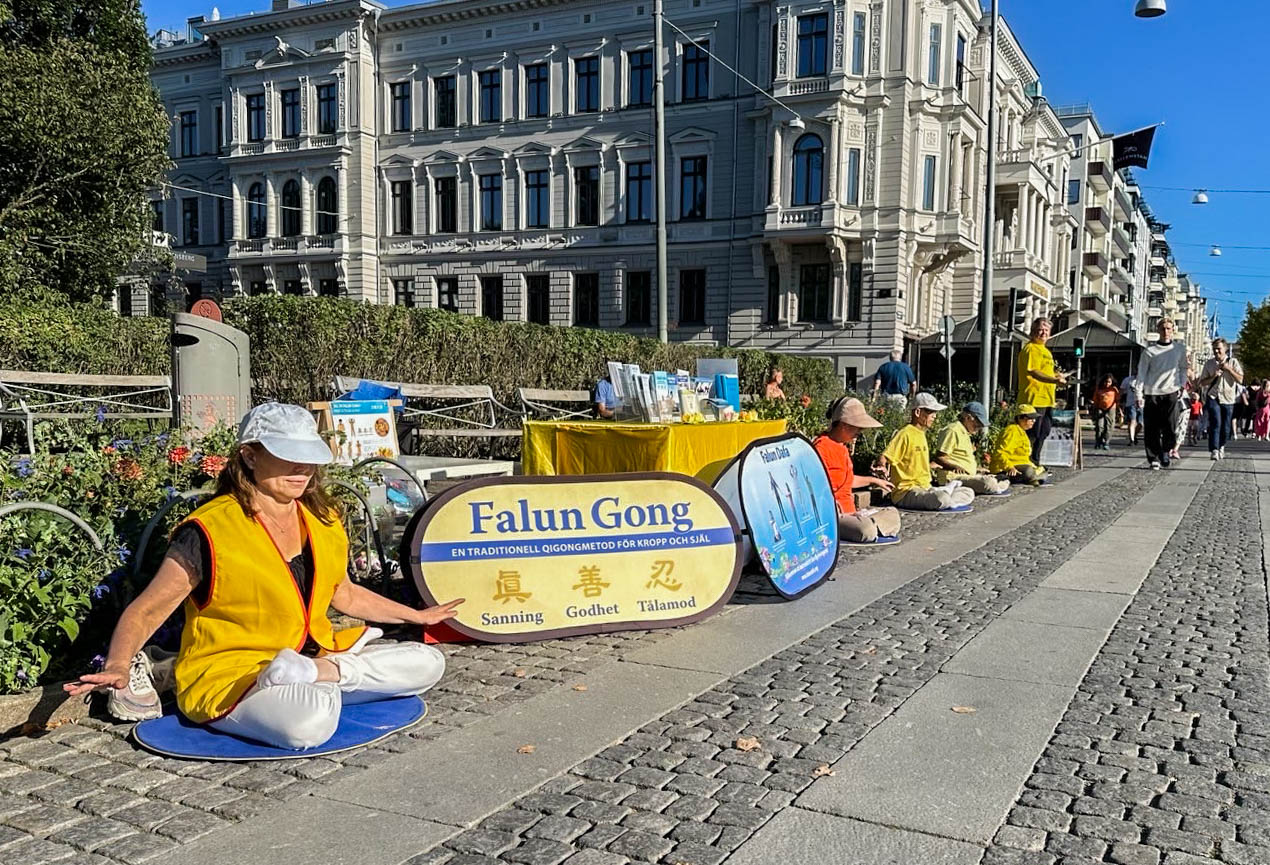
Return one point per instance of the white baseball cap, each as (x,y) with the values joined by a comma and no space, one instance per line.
(928,402)
(288,432)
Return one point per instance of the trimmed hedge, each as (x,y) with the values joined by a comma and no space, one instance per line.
(299,344)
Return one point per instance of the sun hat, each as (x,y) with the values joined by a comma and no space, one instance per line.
(977,410)
(851,411)
(288,432)
(1026,410)
(925,401)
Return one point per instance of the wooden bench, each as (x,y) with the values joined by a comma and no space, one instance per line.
(465,410)
(32,396)
(547,404)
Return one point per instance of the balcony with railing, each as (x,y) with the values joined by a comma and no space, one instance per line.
(285,246)
(1097,220)
(1021,166)
(1120,238)
(1094,264)
(282,145)
(1124,207)
(1100,175)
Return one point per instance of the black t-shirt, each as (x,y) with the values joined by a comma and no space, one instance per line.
(192,550)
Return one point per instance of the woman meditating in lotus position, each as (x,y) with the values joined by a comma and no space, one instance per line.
(257,567)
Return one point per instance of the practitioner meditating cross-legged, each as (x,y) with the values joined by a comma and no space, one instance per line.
(257,568)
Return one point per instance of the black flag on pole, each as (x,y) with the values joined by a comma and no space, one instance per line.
(1133,149)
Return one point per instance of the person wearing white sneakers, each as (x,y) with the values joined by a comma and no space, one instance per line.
(257,568)
(1162,372)
(1220,380)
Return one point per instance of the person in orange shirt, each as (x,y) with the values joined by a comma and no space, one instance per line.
(847,416)
(1105,398)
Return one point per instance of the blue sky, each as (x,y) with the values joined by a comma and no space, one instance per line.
(1201,69)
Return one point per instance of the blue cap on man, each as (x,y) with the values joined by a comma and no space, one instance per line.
(979,412)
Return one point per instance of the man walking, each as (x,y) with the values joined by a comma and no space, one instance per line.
(1221,377)
(1037,383)
(895,380)
(1162,373)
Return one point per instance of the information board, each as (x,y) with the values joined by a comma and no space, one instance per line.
(1060,446)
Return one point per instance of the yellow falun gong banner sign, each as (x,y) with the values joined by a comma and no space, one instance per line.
(547,557)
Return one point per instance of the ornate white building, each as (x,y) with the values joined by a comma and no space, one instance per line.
(495,157)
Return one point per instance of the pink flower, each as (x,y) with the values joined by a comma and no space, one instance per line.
(178,455)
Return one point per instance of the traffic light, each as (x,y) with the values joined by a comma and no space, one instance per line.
(1017,310)
(1078,346)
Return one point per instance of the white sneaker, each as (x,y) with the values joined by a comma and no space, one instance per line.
(1221,452)
(1212,455)
(138,701)
(1155,465)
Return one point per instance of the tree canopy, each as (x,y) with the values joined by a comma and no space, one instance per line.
(82,137)
(1254,341)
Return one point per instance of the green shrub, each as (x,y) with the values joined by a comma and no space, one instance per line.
(299,344)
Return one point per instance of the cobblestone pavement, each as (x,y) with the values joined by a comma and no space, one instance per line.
(1164,754)
(679,790)
(82,792)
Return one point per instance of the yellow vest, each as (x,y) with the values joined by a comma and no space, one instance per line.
(254,608)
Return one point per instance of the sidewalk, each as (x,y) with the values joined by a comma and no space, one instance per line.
(849,692)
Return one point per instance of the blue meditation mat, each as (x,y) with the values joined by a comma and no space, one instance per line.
(960,509)
(360,724)
(882,541)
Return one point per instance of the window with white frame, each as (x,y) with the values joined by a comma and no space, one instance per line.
(640,66)
(857,44)
(639,191)
(289,102)
(853,176)
(696,71)
(928,183)
(813,44)
(537,199)
(933,60)
(587,83)
(537,90)
(401,106)
(491,86)
(491,189)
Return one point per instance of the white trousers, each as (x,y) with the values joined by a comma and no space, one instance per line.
(304,714)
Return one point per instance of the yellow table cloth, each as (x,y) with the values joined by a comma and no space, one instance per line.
(605,447)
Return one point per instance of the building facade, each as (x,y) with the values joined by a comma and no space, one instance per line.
(495,157)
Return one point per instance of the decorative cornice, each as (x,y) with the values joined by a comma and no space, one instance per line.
(299,16)
(450,11)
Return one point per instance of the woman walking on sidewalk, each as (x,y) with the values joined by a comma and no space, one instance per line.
(1261,425)
(1106,395)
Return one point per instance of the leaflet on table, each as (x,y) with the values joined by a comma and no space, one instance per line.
(615,376)
(364,428)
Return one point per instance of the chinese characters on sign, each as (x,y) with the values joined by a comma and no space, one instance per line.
(545,557)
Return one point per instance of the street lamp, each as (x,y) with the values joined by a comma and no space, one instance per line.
(1201,197)
(1150,8)
(1215,250)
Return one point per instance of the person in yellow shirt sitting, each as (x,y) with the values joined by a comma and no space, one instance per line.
(907,459)
(1012,453)
(955,454)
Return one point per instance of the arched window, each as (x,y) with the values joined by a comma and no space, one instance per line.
(257,211)
(290,209)
(809,160)
(327,206)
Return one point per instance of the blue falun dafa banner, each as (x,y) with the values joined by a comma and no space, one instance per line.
(779,491)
